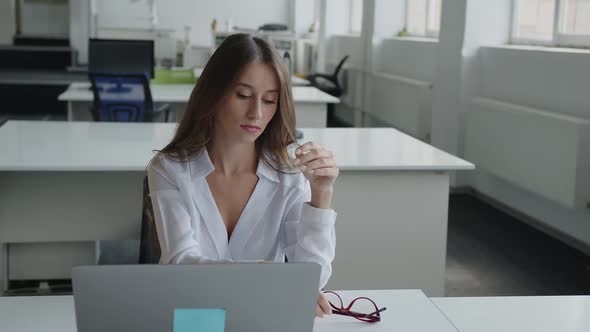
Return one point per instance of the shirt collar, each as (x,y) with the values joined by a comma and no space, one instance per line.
(202,166)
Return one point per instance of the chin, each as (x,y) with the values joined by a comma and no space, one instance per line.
(247,139)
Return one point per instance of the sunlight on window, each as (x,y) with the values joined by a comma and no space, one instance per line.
(434,15)
(534,19)
(423,17)
(416,17)
(356,16)
(575,17)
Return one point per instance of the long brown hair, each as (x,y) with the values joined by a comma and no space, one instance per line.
(195,130)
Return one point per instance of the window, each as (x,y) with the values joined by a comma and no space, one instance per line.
(551,22)
(423,17)
(356,16)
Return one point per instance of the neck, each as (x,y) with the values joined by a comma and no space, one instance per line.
(233,159)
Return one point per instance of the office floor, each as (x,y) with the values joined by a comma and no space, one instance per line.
(490,253)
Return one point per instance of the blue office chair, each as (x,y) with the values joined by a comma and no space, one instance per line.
(124,98)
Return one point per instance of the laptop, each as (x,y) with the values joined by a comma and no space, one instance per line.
(256,297)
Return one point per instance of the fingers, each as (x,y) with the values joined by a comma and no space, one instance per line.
(318,311)
(312,152)
(318,163)
(306,147)
(332,171)
(324,304)
(310,155)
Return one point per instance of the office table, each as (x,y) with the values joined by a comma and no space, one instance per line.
(407,310)
(40,77)
(298,81)
(68,184)
(517,313)
(310,103)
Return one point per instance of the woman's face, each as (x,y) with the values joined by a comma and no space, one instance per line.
(251,102)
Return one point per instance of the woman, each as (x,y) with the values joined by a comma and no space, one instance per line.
(225,189)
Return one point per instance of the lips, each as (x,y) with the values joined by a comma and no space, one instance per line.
(250,128)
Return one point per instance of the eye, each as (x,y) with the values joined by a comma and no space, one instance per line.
(242,96)
(269,101)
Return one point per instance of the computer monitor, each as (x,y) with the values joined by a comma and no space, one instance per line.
(114,56)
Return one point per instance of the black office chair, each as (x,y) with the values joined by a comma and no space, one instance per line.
(330,85)
(149,247)
(124,98)
(328,82)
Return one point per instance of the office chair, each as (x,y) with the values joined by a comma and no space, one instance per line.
(330,85)
(124,98)
(328,82)
(149,247)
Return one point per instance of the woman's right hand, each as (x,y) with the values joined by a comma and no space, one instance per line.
(323,306)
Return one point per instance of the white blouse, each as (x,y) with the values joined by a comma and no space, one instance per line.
(277,220)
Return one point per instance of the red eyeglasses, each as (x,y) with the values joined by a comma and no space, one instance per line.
(373,317)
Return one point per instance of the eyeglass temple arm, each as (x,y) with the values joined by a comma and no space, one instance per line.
(357,314)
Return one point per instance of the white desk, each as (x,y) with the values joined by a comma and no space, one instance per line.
(298,81)
(40,77)
(77,182)
(407,310)
(518,314)
(310,103)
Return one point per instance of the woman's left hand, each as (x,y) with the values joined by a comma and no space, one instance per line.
(318,165)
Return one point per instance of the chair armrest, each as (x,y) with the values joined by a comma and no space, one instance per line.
(313,79)
(326,76)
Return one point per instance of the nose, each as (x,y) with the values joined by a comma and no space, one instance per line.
(255,111)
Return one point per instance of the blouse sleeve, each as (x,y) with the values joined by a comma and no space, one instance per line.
(309,234)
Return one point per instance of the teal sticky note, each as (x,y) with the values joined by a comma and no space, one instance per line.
(199,320)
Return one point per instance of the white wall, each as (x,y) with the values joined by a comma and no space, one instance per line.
(389,17)
(80,19)
(44,18)
(125,14)
(7,21)
(200,13)
(409,57)
(338,17)
(400,101)
(466,25)
(551,80)
(464,65)
(337,25)
(341,45)
(304,14)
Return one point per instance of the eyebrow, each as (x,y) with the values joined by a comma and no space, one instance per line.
(251,87)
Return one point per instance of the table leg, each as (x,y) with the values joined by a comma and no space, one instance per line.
(70,112)
(311,115)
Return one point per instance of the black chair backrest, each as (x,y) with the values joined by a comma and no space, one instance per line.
(149,247)
(337,70)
